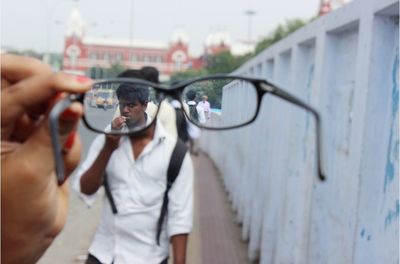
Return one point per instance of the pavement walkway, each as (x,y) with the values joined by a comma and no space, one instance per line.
(215,238)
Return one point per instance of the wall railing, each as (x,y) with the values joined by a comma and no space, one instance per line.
(346,64)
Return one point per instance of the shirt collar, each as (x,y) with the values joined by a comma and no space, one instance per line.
(159,136)
(159,132)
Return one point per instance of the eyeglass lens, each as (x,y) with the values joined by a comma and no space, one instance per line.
(218,103)
(120,106)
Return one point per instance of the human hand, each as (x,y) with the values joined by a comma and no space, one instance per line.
(34,206)
(112,142)
(118,122)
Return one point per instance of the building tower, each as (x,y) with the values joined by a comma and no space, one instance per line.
(327,6)
(73,42)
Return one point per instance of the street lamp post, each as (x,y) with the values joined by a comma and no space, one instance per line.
(131,22)
(249,13)
(130,48)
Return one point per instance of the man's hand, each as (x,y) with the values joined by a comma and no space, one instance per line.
(118,122)
(33,206)
(112,141)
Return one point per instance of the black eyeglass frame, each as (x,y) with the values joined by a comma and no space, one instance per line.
(175,91)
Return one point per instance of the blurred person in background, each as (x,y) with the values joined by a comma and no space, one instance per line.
(196,115)
(187,132)
(205,106)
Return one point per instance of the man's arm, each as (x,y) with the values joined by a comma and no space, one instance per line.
(92,179)
(179,243)
(180,210)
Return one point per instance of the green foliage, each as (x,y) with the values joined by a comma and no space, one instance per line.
(222,62)
(213,89)
(113,71)
(279,33)
(225,62)
(56,60)
(187,75)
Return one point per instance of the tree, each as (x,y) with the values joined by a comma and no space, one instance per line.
(280,32)
(113,71)
(186,75)
(225,62)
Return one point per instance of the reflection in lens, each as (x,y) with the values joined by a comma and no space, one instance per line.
(220,103)
(120,107)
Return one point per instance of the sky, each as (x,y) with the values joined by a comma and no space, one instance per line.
(41,24)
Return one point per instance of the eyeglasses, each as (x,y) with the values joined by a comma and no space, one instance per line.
(220,112)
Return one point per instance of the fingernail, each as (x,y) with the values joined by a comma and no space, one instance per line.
(69,114)
(55,98)
(83,79)
(58,95)
(69,142)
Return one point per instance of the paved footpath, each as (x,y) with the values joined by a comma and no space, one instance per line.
(215,238)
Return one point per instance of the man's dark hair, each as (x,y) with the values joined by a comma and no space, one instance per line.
(150,74)
(146,73)
(133,93)
(131,73)
(137,92)
(191,95)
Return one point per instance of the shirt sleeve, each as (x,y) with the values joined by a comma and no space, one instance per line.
(180,204)
(92,155)
(200,111)
(208,109)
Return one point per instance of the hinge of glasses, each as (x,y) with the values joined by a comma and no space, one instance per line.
(266,87)
(73,97)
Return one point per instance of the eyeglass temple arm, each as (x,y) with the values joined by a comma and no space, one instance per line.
(271,88)
(55,139)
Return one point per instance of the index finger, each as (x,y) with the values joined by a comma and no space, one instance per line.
(15,68)
(36,90)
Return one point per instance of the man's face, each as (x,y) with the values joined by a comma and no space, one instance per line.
(205,98)
(134,112)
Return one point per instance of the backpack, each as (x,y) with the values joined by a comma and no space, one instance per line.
(175,163)
(181,125)
(193,113)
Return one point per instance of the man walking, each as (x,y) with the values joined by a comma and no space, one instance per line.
(205,106)
(135,168)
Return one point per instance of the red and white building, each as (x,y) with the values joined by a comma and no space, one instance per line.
(83,54)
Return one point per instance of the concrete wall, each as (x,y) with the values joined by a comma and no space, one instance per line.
(346,65)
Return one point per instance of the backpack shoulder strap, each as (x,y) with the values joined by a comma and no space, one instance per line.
(175,164)
(109,195)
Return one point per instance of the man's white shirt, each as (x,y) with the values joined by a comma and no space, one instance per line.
(138,187)
(200,111)
(205,106)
